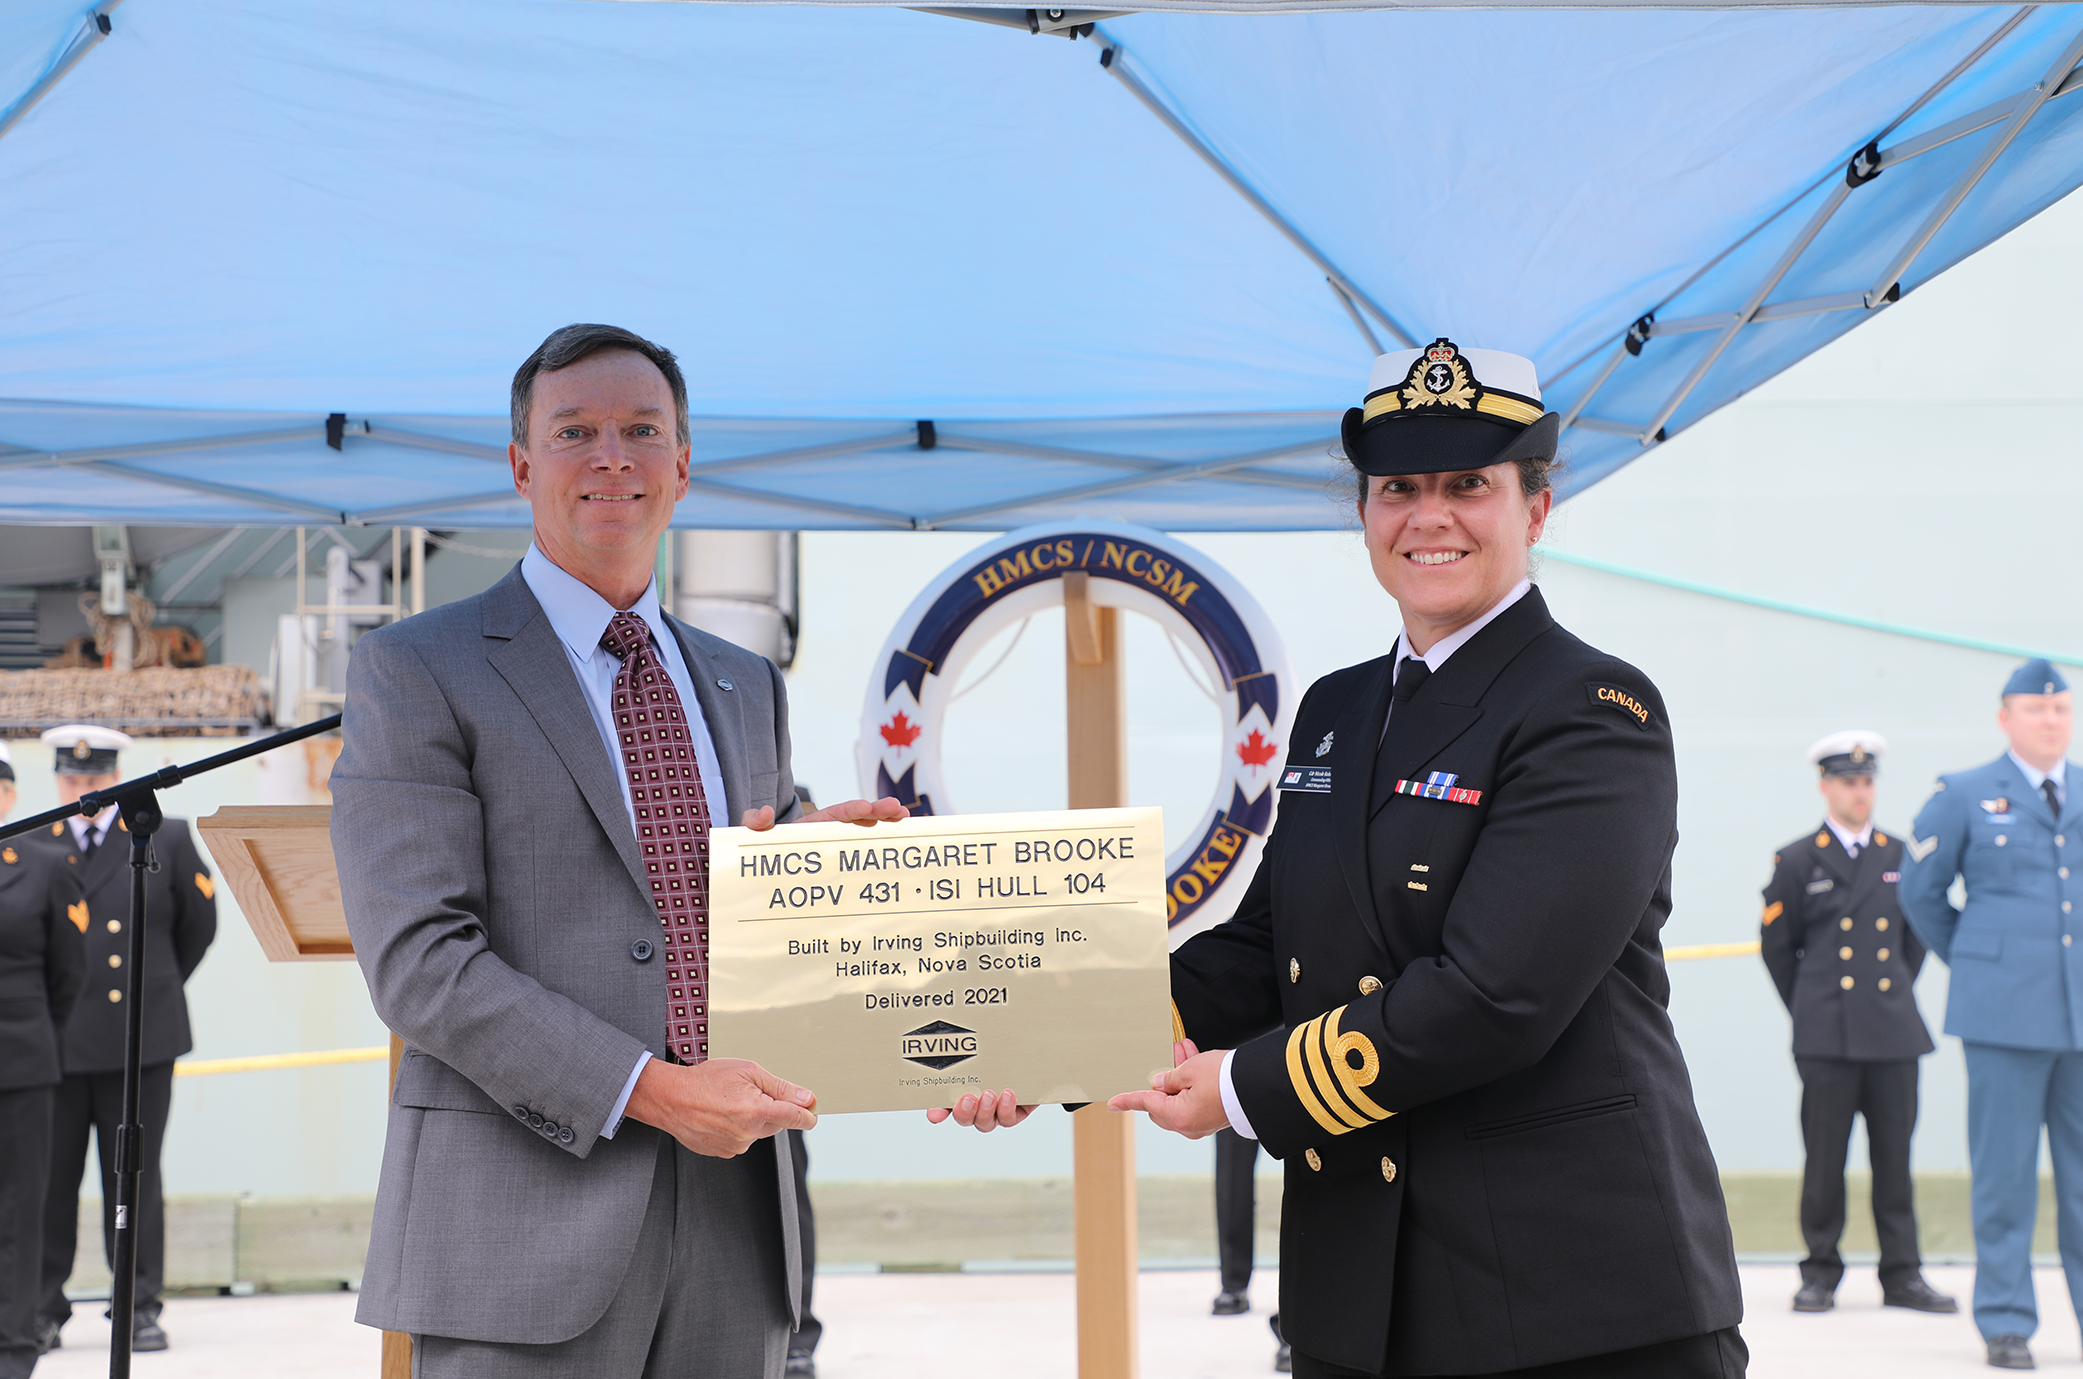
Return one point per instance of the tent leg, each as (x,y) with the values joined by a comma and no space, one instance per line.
(1105,1206)
(397,1345)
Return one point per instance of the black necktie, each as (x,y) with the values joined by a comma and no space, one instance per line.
(1411,673)
(93,841)
(1851,849)
(2053,796)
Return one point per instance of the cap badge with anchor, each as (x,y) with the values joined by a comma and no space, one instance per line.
(85,749)
(1446,407)
(1853,752)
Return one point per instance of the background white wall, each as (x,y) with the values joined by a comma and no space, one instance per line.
(1922,470)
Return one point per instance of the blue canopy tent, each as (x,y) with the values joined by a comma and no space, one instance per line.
(265,265)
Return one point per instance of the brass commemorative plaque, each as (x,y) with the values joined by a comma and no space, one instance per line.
(903,966)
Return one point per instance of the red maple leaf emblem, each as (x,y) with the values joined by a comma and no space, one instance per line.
(1255,750)
(901,731)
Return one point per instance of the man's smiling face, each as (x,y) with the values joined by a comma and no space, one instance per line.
(602,468)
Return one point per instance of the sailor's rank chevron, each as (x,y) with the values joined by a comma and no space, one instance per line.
(1439,785)
(1327,1082)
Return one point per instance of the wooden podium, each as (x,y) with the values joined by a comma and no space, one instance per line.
(278,861)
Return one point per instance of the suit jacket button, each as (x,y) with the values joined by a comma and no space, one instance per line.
(550,1128)
(1294,969)
(641,950)
(521,1112)
(534,1122)
(1369,985)
(1316,1165)
(1885,984)
(1845,982)
(564,1133)
(1388,1169)
(1845,923)
(1881,924)
(1845,953)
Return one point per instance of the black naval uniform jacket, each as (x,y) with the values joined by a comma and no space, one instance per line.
(41,962)
(1450,1019)
(181,920)
(1841,953)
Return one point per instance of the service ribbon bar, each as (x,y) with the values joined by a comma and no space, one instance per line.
(1439,786)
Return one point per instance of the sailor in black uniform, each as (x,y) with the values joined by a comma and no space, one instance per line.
(1442,1001)
(1844,961)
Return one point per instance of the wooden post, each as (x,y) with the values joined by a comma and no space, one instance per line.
(397,1345)
(1104,1141)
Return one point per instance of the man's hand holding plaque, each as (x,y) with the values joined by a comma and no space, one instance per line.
(934,961)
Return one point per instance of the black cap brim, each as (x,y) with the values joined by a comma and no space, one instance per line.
(1443,444)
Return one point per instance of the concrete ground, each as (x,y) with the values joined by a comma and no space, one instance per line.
(1013,1326)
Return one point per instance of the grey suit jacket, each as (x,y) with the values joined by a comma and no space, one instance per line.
(495,893)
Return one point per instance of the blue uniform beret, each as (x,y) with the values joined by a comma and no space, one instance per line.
(2037,676)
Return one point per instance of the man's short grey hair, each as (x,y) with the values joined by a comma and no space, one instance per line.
(567,345)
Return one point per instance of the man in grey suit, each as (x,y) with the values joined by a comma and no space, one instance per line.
(521,811)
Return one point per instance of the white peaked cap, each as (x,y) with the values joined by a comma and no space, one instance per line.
(1847,742)
(96,737)
(1492,368)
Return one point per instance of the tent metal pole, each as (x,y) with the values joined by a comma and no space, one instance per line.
(22,458)
(1576,410)
(204,486)
(1653,432)
(1047,452)
(1110,59)
(1359,321)
(97,27)
(1889,280)
(1170,474)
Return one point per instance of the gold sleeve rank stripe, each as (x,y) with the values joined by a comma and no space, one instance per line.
(1774,911)
(1326,1081)
(1178,1025)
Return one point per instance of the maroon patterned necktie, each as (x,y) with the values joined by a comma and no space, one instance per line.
(672,824)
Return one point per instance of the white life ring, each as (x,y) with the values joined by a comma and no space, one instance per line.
(1132,568)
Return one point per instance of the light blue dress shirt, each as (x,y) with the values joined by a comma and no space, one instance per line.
(579,616)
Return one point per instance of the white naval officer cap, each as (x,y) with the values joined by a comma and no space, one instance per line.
(85,749)
(1853,752)
(1443,408)
(6,761)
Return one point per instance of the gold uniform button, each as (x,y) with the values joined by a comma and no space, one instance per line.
(1882,955)
(1845,982)
(115,995)
(1845,953)
(1881,924)
(1845,923)
(114,960)
(1369,985)
(1294,969)
(115,926)
(1388,1170)
(1309,1157)
(1885,983)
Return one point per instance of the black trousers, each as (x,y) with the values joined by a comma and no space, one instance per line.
(25,1170)
(1716,1355)
(94,1101)
(806,1336)
(1832,1092)
(1236,1207)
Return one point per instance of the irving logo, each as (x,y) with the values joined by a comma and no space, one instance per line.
(938,1045)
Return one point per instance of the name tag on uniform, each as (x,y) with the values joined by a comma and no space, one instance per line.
(1818,887)
(1315,780)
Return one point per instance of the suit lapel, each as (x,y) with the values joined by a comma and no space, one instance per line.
(1359,727)
(2072,798)
(1865,872)
(725,722)
(1829,855)
(534,663)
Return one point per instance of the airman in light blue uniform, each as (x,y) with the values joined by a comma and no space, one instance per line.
(2012,831)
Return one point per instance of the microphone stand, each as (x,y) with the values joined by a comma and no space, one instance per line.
(138,803)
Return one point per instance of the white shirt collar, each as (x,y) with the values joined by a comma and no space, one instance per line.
(1454,641)
(2059,775)
(577,614)
(1863,837)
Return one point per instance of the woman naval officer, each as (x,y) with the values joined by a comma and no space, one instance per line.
(1442,1000)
